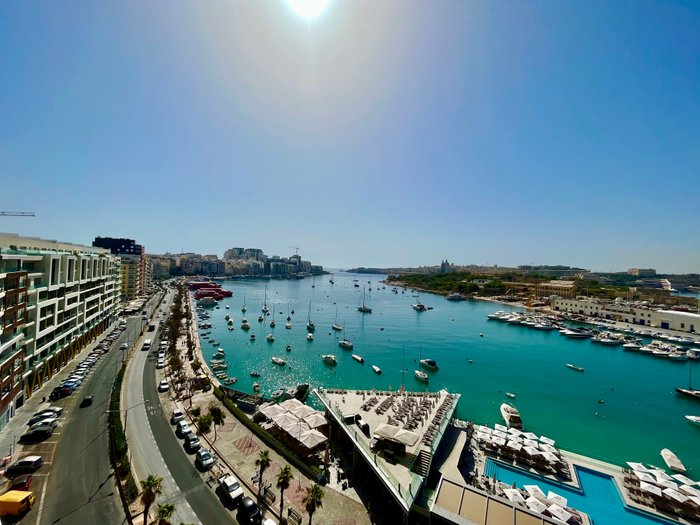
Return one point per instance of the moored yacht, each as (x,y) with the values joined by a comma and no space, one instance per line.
(278,361)
(376,369)
(693,419)
(511,416)
(270,338)
(329,359)
(345,343)
(429,363)
(358,358)
(421,376)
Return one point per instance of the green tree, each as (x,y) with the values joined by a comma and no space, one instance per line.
(196,365)
(313,499)
(165,512)
(204,423)
(151,487)
(262,463)
(217,416)
(284,477)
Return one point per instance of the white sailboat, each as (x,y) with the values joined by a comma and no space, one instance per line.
(345,343)
(265,309)
(243,308)
(310,327)
(336,326)
(364,308)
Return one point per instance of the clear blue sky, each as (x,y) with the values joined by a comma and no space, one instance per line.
(379,134)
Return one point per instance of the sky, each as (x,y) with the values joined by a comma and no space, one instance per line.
(392,133)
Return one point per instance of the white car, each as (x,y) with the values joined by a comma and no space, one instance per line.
(163,386)
(204,459)
(124,346)
(160,363)
(230,487)
(182,427)
(49,421)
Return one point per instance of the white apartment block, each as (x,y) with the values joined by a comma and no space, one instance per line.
(629,313)
(54,299)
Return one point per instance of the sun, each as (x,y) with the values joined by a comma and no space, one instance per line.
(308,8)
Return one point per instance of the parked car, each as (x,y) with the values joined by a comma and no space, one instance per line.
(160,363)
(182,427)
(26,465)
(192,443)
(177,416)
(53,409)
(204,459)
(124,346)
(86,402)
(37,433)
(50,421)
(59,393)
(22,482)
(249,512)
(41,416)
(231,488)
(163,386)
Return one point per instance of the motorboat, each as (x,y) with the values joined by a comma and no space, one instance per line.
(270,338)
(693,419)
(309,336)
(254,373)
(376,369)
(632,345)
(511,416)
(576,334)
(358,358)
(429,363)
(260,319)
(329,359)
(678,356)
(288,348)
(279,361)
(574,367)
(245,325)
(288,326)
(510,395)
(421,376)
(419,307)
(345,343)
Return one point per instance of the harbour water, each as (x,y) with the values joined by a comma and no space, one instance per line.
(641,413)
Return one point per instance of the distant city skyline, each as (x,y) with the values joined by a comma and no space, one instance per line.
(374,135)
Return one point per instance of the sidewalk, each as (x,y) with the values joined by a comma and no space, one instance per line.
(238,448)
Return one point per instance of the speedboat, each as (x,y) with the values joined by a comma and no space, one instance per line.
(421,376)
(693,419)
(254,373)
(329,359)
(511,416)
(429,363)
(288,326)
(376,369)
(345,343)
(419,307)
(278,361)
(574,367)
(358,358)
(510,395)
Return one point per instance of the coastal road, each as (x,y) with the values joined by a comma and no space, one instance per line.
(80,487)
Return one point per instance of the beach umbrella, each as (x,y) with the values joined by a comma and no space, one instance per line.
(560,513)
(312,438)
(651,489)
(531,443)
(499,434)
(683,479)
(666,484)
(643,476)
(675,495)
(514,445)
(547,440)
(529,435)
(315,420)
(637,467)
(531,451)
(535,505)
(660,474)
(555,498)
(500,427)
(535,491)
(690,491)
(514,495)
(499,441)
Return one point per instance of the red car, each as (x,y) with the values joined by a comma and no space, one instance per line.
(21,482)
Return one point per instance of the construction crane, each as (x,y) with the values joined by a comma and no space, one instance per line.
(17,214)
(296,248)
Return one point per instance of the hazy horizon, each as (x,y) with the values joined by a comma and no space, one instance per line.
(377,134)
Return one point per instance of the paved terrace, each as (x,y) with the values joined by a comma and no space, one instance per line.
(420,418)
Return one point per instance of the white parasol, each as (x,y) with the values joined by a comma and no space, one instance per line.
(674,494)
(514,495)
(555,498)
(560,513)
(643,476)
(535,505)
(535,491)
(651,489)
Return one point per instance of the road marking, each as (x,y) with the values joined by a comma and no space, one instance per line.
(43,499)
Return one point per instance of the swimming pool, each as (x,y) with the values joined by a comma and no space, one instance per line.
(598,497)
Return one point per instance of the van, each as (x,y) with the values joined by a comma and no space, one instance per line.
(146,344)
(16,502)
(364,426)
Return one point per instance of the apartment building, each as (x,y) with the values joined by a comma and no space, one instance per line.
(55,298)
(133,264)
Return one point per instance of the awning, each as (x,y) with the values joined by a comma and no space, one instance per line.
(560,513)
(555,498)
(514,495)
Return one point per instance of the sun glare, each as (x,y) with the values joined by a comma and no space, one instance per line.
(308,8)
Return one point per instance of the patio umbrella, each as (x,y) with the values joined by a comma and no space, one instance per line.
(555,498)
(675,495)
(651,489)
(560,513)
(291,404)
(296,430)
(499,434)
(312,438)
(550,449)
(531,451)
(486,430)
(484,438)
(660,474)
(535,505)
(271,410)
(690,490)
(514,431)
(514,495)
(637,466)
(531,443)
(551,458)
(683,479)
(303,411)
(285,418)
(695,499)
(548,441)
(315,420)
(643,476)
(667,484)
(529,435)
(534,491)
(499,441)
(500,427)
(407,437)
(514,445)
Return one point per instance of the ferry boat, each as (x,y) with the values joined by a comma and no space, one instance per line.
(345,343)
(429,363)
(421,376)
(376,369)
(278,361)
(574,367)
(329,359)
(511,416)
(358,358)
(693,419)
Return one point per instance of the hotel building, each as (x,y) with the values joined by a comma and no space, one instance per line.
(55,298)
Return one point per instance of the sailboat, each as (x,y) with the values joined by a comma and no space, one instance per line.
(243,308)
(336,326)
(265,309)
(364,309)
(689,391)
(331,281)
(310,327)
(345,343)
(272,323)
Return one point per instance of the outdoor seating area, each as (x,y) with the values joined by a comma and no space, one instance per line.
(673,494)
(523,449)
(296,422)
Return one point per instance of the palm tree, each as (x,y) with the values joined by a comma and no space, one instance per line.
(165,512)
(313,499)
(262,462)
(284,476)
(151,487)
(217,416)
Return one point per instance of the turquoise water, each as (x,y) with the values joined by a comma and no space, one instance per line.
(599,498)
(641,414)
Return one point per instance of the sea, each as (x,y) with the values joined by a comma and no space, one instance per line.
(622,408)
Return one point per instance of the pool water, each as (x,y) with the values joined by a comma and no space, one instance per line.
(598,497)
